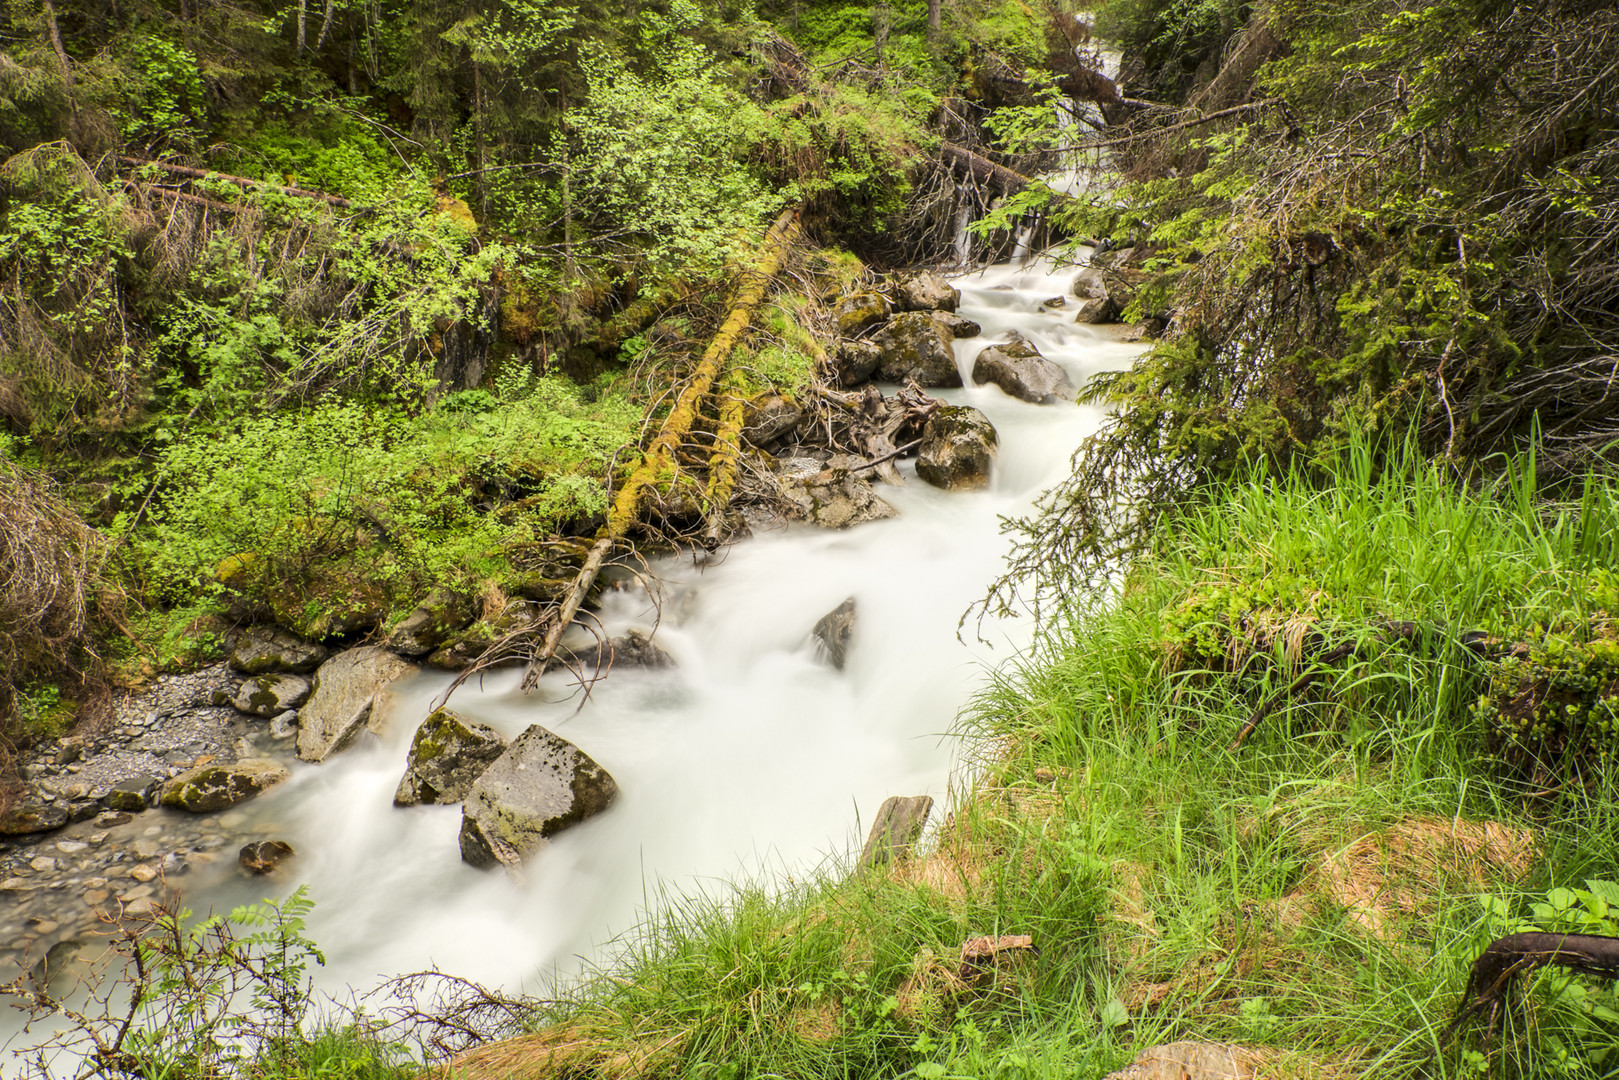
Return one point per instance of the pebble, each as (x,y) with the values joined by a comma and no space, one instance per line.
(72,847)
(111,818)
(152,830)
(138,907)
(139,892)
(13,884)
(145,848)
(95,883)
(96,896)
(42,863)
(97,838)
(45,926)
(143,872)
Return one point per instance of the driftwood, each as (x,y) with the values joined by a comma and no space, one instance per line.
(239,181)
(1494,973)
(897,827)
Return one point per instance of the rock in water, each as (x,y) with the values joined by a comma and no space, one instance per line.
(1094,312)
(917,346)
(925,291)
(24,820)
(440,614)
(541,785)
(340,705)
(834,631)
(835,497)
(446,757)
(131,794)
(958,448)
(214,787)
(859,310)
(263,649)
(271,695)
(959,327)
(264,856)
(1018,368)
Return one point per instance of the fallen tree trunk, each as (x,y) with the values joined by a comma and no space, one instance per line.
(660,456)
(1490,983)
(985,171)
(240,181)
(722,467)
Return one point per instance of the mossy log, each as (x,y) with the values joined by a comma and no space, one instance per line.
(660,456)
(722,466)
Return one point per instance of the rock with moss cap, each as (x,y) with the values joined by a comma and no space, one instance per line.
(540,786)
(917,346)
(209,788)
(271,695)
(447,756)
(859,310)
(264,649)
(924,291)
(958,448)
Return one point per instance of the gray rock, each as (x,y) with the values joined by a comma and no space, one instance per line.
(24,820)
(636,648)
(917,346)
(768,417)
(855,362)
(446,756)
(859,310)
(209,788)
(263,649)
(1090,284)
(340,705)
(1018,368)
(958,326)
(131,794)
(1095,312)
(958,447)
(271,695)
(834,630)
(925,291)
(440,614)
(541,785)
(264,856)
(834,497)
(284,725)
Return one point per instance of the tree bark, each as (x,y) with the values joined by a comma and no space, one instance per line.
(55,33)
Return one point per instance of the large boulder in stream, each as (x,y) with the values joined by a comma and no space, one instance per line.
(446,758)
(342,703)
(210,788)
(1018,368)
(958,448)
(917,346)
(924,291)
(540,786)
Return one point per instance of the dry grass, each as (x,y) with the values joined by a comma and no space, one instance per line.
(563,1050)
(1387,875)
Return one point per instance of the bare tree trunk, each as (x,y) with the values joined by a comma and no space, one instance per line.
(325,24)
(56,43)
(303,13)
(935,11)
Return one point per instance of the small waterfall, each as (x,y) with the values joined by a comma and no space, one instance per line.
(963,242)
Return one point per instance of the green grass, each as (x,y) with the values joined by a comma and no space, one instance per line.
(1316,895)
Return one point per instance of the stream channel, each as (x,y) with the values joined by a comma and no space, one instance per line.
(751,759)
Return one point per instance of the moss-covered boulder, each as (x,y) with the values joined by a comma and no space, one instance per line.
(342,701)
(540,786)
(271,695)
(1018,368)
(958,449)
(858,311)
(439,615)
(917,346)
(264,649)
(854,362)
(464,649)
(447,756)
(24,820)
(210,788)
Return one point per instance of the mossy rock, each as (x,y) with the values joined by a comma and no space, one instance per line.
(210,788)
(958,449)
(447,755)
(860,310)
(439,615)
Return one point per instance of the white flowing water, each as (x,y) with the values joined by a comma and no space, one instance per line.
(752,759)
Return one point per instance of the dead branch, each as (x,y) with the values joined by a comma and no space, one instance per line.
(239,181)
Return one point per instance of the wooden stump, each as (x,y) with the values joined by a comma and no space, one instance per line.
(897,827)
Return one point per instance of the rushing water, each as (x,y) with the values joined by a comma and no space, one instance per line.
(751,758)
